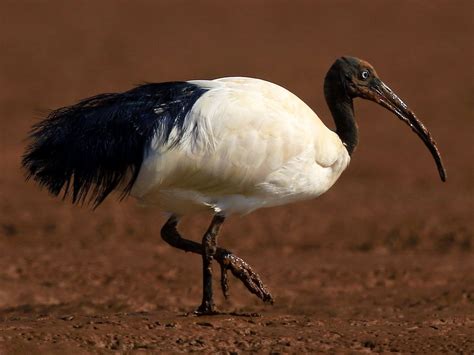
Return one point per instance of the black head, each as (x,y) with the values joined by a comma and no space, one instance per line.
(356,75)
(357,78)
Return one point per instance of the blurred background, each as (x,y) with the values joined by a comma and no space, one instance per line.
(389,217)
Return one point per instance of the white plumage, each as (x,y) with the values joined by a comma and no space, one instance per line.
(258,145)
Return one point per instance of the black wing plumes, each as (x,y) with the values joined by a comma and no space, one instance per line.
(92,147)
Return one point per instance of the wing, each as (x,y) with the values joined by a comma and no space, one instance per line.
(97,145)
(246,130)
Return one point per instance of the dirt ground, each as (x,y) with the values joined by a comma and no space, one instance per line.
(381,263)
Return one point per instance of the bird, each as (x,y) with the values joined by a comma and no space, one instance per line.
(224,146)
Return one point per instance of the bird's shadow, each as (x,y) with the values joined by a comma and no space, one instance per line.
(91,309)
(218,313)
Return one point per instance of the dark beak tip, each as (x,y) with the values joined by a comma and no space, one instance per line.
(442,173)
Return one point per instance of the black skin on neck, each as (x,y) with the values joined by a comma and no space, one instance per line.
(342,108)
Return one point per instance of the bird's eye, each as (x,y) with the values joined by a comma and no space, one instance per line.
(364,74)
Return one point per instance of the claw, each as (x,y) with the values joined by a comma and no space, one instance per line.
(241,270)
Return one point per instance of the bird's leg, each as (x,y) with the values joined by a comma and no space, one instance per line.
(209,248)
(226,259)
(170,235)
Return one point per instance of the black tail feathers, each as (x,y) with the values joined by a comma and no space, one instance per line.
(90,149)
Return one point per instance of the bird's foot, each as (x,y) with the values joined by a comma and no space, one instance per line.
(206,309)
(241,270)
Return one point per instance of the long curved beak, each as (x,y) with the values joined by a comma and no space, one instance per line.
(385,97)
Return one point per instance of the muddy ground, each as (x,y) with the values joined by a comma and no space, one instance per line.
(382,263)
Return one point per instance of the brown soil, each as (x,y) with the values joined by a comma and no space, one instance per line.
(383,262)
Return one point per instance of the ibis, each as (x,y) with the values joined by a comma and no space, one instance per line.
(226,146)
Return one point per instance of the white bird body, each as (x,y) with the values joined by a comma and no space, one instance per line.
(257,145)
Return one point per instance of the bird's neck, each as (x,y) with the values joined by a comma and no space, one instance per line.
(342,110)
